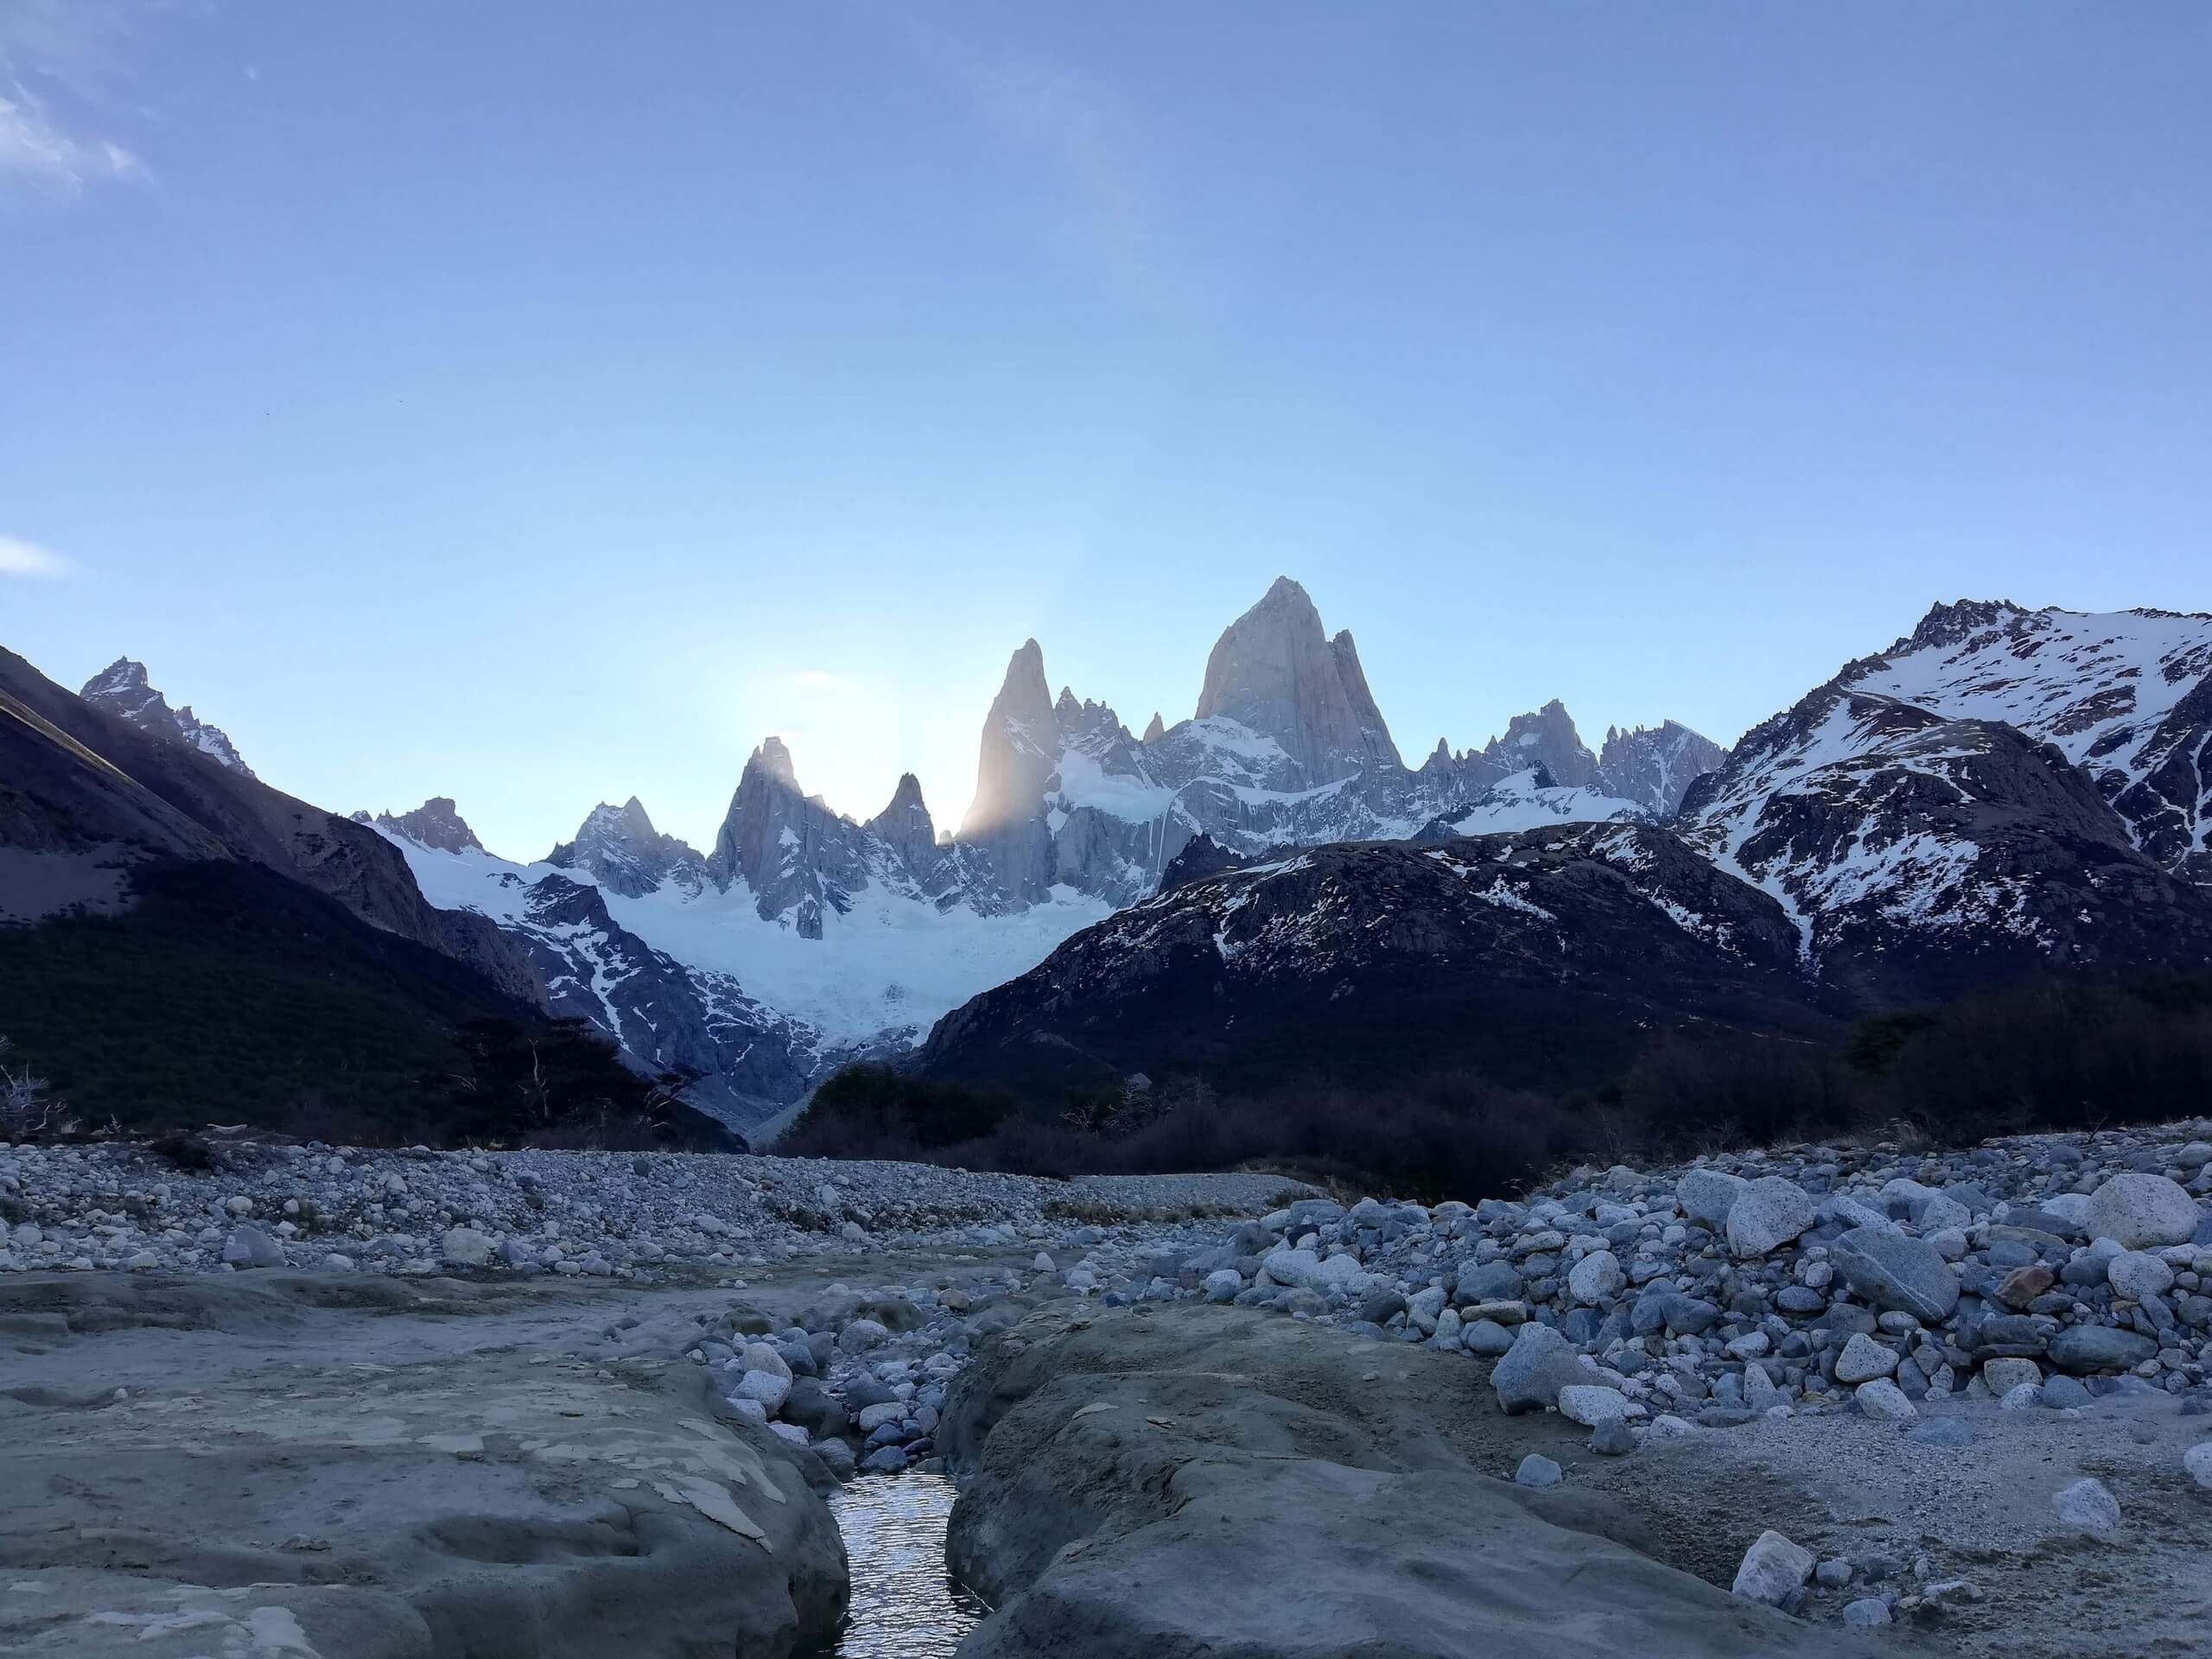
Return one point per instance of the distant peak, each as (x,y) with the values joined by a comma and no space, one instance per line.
(1156,730)
(774,760)
(436,823)
(1948,624)
(123,672)
(906,796)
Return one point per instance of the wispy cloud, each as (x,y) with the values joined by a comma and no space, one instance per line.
(1114,213)
(21,558)
(60,63)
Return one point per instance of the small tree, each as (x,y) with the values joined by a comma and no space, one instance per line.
(26,1109)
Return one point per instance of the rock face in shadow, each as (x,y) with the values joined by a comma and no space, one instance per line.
(1540,958)
(373,1469)
(1184,1480)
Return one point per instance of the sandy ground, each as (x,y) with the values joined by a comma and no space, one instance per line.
(1846,1485)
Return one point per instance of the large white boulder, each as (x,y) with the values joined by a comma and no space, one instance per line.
(1767,1214)
(2141,1212)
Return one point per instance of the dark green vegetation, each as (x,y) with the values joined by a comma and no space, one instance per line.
(228,994)
(2051,1054)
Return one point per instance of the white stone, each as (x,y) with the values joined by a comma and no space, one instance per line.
(1767,1214)
(1883,1399)
(464,1247)
(2197,1460)
(1774,1569)
(766,1386)
(1596,1277)
(2089,1506)
(1863,1359)
(2138,1210)
(2138,1275)
(1588,1404)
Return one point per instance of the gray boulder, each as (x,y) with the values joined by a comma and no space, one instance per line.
(1774,1569)
(1893,1271)
(1767,1214)
(1705,1195)
(2084,1350)
(1321,1507)
(249,1246)
(2142,1213)
(1539,1363)
(2087,1506)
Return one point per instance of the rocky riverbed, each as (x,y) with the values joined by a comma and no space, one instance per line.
(316,1401)
(1816,1399)
(1961,1389)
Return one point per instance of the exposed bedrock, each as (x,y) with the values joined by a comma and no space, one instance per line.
(383,1470)
(1171,1481)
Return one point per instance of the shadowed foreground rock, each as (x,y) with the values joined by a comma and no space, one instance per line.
(289,1465)
(1171,1481)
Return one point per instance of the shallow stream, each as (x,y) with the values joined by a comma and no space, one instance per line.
(905,1604)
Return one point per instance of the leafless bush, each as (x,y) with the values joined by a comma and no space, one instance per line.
(28,1110)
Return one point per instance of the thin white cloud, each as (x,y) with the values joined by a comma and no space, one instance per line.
(21,558)
(60,62)
(1113,219)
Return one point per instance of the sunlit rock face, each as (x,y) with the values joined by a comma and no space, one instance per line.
(1275,673)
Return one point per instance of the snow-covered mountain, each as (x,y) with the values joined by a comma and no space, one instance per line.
(801,937)
(2000,794)
(122,690)
(1287,748)
(1541,956)
(2000,788)
(2126,695)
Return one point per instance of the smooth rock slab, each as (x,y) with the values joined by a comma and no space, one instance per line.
(1259,1522)
(1893,1271)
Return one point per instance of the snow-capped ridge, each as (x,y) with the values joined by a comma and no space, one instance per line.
(122,690)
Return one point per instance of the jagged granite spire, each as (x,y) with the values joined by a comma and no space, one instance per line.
(800,860)
(1155,731)
(122,690)
(1275,672)
(1019,748)
(904,824)
(1546,739)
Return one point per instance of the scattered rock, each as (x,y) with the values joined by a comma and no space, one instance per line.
(1774,1570)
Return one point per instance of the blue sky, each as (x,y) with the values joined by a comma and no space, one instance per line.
(540,403)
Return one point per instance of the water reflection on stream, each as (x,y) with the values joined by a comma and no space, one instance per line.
(905,1606)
